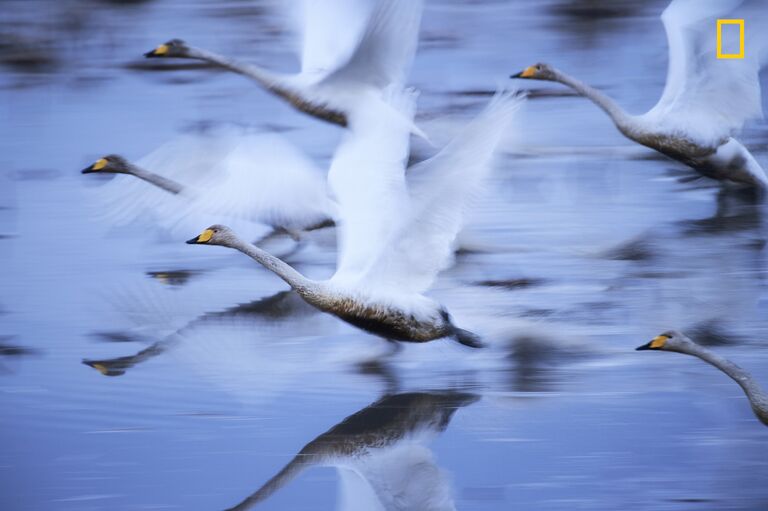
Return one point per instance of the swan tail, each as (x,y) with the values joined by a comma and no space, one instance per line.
(467,338)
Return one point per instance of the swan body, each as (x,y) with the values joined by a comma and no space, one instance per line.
(380,454)
(394,234)
(705,101)
(248,178)
(421,319)
(352,50)
(678,342)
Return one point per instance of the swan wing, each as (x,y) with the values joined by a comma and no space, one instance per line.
(707,98)
(265,178)
(386,49)
(440,190)
(328,31)
(367,180)
(405,477)
(186,159)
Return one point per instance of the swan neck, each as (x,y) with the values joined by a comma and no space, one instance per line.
(265,78)
(286,474)
(296,280)
(166,184)
(617,114)
(756,395)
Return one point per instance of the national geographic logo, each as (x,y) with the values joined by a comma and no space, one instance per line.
(740,25)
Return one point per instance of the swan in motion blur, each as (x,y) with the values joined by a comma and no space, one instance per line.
(395,233)
(380,454)
(706,100)
(678,342)
(255,178)
(351,51)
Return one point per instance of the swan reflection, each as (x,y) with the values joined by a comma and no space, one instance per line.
(381,454)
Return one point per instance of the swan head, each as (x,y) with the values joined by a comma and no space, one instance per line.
(111,164)
(175,48)
(538,71)
(669,341)
(215,235)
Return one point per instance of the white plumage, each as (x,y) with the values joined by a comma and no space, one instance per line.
(250,179)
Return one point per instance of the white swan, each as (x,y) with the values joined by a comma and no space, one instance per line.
(676,341)
(381,455)
(706,100)
(351,51)
(229,175)
(395,233)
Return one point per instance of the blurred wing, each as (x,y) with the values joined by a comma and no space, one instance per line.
(706,97)
(405,476)
(440,190)
(186,159)
(367,180)
(385,52)
(264,178)
(330,30)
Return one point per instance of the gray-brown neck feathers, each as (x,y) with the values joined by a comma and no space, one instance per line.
(161,182)
(756,395)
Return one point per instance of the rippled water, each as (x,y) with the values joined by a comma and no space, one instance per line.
(137,372)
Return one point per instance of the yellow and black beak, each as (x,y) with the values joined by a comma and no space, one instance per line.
(528,72)
(100,164)
(160,51)
(202,238)
(657,343)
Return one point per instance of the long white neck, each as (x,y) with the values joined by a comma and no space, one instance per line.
(161,182)
(756,395)
(283,270)
(267,79)
(622,120)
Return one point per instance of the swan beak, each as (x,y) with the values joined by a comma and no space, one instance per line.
(100,164)
(657,343)
(528,72)
(160,51)
(204,237)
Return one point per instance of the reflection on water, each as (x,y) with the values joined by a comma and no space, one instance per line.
(381,455)
(582,248)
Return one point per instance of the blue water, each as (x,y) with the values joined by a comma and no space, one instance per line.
(216,378)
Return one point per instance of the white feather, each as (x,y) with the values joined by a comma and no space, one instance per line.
(397,233)
(706,98)
(229,177)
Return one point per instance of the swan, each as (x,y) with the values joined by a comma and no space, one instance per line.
(678,342)
(255,177)
(395,233)
(351,51)
(706,100)
(380,454)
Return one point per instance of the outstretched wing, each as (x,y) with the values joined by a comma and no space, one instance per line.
(187,159)
(265,178)
(367,180)
(440,189)
(385,52)
(329,31)
(231,177)
(706,97)
(404,476)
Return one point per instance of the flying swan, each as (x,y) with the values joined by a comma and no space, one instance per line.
(395,233)
(705,102)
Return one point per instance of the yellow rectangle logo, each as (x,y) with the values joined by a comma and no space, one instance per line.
(720,53)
